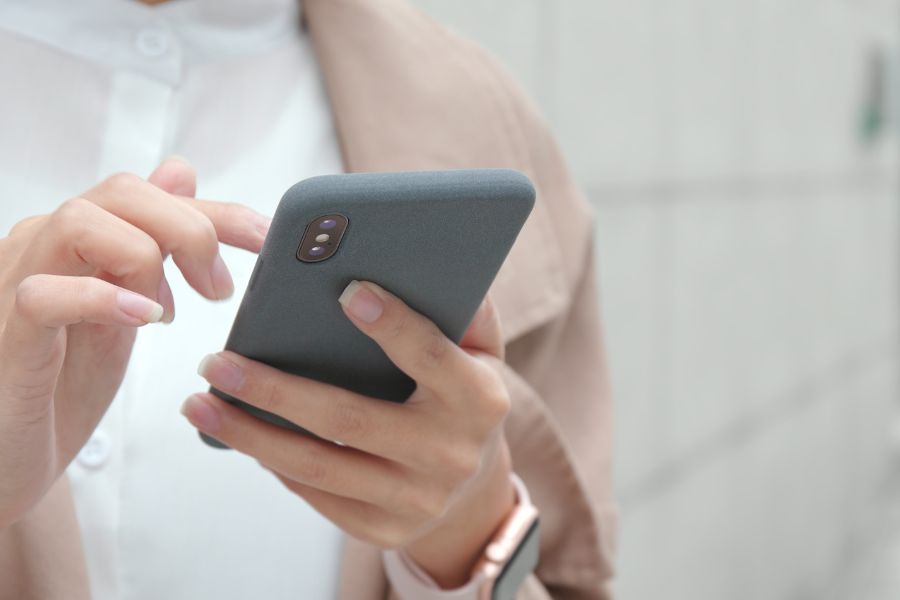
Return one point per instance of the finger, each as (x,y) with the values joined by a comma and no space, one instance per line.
(319,463)
(18,239)
(46,303)
(81,238)
(362,520)
(176,176)
(33,348)
(26,225)
(410,340)
(236,224)
(167,300)
(333,413)
(54,301)
(484,334)
(178,229)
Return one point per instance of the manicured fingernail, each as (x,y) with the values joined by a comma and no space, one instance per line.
(139,307)
(261,223)
(361,302)
(221,279)
(201,414)
(177,157)
(167,301)
(221,373)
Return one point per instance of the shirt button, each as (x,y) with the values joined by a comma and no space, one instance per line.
(152,42)
(96,451)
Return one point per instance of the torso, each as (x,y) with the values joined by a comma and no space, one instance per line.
(239,94)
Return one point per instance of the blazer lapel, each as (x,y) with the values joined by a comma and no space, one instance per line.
(408,95)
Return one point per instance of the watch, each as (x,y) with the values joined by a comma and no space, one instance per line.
(510,556)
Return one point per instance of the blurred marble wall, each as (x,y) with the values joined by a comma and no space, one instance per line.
(741,161)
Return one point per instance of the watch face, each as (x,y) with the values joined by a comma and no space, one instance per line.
(522,563)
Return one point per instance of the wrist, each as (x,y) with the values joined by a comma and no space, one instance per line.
(448,552)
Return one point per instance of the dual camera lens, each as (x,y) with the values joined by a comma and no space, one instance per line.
(321,238)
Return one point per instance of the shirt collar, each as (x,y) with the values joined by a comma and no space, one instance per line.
(154,40)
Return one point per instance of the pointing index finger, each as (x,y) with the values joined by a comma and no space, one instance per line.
(236,224)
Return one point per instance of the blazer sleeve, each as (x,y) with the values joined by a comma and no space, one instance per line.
(559,433)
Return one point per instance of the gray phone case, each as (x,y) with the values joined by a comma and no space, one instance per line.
(436,239)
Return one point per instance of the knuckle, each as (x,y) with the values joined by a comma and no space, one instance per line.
(28,294)
(22,226)
(457,460)
(89,290)
(486,314)
(271,396)
(350,421)
(122,183)
(493,397)
(144,256)
(399,325)
(465,465)
(389,536)
(309,465)
(148,257)
(17,227)
(431,504)
(201,229)
(70,215)
(31,392)
(434,349)
(497,405)
(489,309)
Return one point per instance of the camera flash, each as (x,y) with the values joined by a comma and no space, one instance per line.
(322,238)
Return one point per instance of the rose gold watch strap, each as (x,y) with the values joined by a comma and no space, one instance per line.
(411,582)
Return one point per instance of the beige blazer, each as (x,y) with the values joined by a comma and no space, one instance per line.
(407,94)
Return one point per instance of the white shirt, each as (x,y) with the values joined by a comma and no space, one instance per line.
(91,87)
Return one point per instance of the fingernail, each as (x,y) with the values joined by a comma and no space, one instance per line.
(221,373)
(261,223)
(221,279)
(177,157)
(201,414)
(139,307)
(165,298)
(361,302)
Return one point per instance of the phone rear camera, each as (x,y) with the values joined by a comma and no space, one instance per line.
(316,245)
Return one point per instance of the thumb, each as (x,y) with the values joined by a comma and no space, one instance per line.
(176,176)
(484,333)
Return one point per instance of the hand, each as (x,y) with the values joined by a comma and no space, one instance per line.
(430,475)
(74,285)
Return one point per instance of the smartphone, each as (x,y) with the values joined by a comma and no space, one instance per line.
(435,239)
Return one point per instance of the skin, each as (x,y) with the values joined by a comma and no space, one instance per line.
(430,476)
(74,286)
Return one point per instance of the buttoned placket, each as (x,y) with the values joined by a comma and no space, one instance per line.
(136,137)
